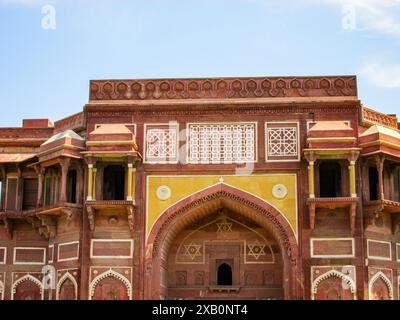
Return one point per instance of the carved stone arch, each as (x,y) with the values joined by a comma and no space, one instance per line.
(385,279)
(272,218)
(107,274)
(185,211)
(333,273)
(30,278)
(66,276)
(1,290)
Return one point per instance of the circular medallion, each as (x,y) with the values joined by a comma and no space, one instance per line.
(163,193)
(279,191)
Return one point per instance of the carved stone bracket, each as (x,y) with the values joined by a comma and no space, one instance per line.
(8,225)
(131,217)
(312,215)
(332,203)
(46,226)
(91,217)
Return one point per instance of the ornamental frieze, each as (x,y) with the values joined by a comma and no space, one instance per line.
(102,116)
(222,88)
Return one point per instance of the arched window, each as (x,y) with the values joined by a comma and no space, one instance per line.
(114,183)
(330,179)
(373,183)
(224,275)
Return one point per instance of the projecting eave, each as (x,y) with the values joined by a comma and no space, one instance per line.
(380,140)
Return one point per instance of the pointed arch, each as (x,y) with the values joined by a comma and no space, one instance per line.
(333,273)
(66,276)
(199,205)
(107,274)
(386,280)
(261,211)
(27,277)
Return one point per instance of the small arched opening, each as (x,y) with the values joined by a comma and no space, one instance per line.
(224,275)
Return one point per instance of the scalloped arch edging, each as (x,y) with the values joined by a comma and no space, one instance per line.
(60,283)
(107,274)
(27,277)
(385,279)
(282,228)
(333,273)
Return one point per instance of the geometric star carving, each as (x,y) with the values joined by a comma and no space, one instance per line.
(256,249)
(224,226)
(192,250)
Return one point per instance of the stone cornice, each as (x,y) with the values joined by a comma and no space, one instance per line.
(222,88)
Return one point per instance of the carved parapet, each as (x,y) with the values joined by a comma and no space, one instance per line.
(223,88)
(370,116)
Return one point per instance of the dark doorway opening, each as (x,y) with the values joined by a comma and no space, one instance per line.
(71,186)
(114,183)
(330,180)
(373,183)
(224,275)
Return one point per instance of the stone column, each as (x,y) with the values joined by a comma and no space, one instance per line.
(64,163)
(311,179)
(129,193)
(40,171)
(94,183)
(352,178)
(90,183)
(380,162)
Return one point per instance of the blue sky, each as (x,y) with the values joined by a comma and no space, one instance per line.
(45,73)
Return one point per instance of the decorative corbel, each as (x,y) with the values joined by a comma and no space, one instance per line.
(395,224)
(70,213)
(353,211)
(131,217)
(50,226)
(91,217)
(9,226)
(311,208)
(37,224)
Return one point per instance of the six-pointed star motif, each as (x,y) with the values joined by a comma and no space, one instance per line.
(193,250)
(224,226)
(256,249)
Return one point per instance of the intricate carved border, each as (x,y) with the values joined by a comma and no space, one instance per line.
(279,225)
(65,277)
(222,88)
(106,274)
(27,277)
(332,273)
(385,279)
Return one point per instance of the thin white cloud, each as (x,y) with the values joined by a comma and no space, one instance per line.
(381,74)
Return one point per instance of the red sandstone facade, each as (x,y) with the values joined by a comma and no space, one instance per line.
(248,188)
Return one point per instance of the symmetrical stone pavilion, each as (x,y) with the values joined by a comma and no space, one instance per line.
(220,188)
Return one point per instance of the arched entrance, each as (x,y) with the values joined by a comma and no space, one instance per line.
(222,231)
